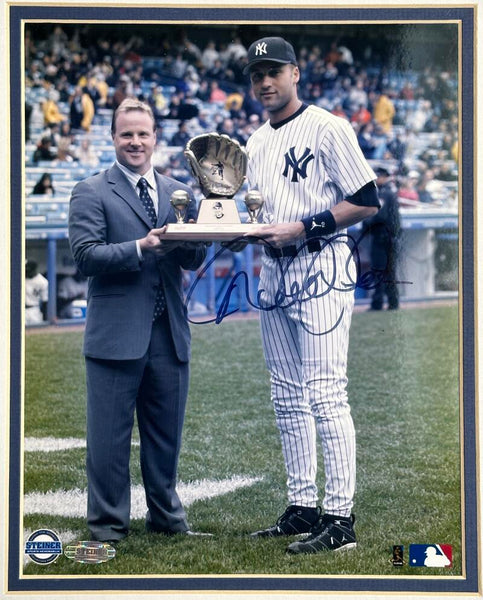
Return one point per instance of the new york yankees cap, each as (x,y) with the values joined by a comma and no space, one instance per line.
(274,49)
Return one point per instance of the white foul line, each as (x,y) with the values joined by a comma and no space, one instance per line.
(73,503)
(51,444)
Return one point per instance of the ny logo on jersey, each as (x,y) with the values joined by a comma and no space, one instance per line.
(261,49)
(299,165)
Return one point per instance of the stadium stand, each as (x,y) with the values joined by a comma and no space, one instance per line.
(418,143)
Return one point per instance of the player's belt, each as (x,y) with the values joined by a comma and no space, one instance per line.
(311,246)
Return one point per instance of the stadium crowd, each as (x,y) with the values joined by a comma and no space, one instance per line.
(407,122)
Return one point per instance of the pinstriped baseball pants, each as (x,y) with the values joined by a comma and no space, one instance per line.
(307,304)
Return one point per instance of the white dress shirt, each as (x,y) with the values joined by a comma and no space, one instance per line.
(133,179)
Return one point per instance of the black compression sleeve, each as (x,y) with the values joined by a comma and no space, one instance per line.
(366,196)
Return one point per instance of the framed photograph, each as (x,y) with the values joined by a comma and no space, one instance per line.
(404,77)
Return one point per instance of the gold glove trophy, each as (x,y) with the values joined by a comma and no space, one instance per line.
(219,163)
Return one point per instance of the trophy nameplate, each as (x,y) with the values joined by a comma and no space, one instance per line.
(219,163)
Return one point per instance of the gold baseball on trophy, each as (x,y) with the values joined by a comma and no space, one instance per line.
(179,201)
(254,203)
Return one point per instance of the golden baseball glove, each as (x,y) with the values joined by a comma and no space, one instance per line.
(218,162)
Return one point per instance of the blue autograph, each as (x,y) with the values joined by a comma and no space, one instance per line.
(313,285)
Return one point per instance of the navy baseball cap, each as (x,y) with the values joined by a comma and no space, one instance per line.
(274,49)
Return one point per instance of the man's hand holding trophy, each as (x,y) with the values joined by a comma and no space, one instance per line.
(219,164)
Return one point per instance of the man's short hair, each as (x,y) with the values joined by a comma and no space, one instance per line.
(382,172)
(128,105)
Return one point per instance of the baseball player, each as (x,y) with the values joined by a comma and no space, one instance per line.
(315,183)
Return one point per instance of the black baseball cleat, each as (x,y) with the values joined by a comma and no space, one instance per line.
(294,521)
(330,533)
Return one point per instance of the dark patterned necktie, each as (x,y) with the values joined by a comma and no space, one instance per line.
(160,302)
(146,200)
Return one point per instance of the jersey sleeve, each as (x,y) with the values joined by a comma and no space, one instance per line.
(344,161)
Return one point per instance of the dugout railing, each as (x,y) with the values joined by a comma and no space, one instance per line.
(428,268)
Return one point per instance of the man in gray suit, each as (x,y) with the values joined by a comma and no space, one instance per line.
(137,338)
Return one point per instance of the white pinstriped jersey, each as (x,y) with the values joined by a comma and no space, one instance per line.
(305,165)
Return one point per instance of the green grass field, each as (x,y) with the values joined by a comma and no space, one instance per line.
(404,390)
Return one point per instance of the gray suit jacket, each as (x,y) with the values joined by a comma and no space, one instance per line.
(105,218)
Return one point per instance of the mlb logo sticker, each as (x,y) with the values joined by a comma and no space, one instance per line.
(430,555)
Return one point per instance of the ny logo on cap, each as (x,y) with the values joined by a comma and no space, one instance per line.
(261,49)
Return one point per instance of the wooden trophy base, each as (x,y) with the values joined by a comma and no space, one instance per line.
(195,232)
